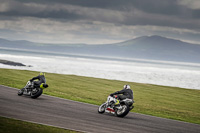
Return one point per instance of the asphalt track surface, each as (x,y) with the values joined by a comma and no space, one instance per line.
(83,117)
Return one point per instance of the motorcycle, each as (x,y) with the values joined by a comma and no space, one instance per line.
(31,90)
(119,108)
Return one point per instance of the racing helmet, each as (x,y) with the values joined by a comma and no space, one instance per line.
(127,87)
(42,73)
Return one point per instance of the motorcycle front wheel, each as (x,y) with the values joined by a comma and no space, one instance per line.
(36,93)
(20,92)
(102,108)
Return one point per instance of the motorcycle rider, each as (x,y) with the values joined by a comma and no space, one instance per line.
(41,80)
(126,93)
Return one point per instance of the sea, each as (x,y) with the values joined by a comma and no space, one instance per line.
(166,73)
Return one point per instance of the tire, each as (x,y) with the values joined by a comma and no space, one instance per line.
(102,108)
(37,94)
(20,92)
(123,112)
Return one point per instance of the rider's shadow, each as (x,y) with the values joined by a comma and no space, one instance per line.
(127,117)
(38,99)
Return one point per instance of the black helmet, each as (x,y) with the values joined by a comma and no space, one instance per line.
(45,85)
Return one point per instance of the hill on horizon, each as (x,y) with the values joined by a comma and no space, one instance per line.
(145,47)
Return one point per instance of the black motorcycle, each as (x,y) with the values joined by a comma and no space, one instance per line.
(31,90)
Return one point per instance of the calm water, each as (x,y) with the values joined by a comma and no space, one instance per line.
(184,75)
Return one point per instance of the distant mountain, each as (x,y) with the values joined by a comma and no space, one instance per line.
(16,43)
(161,48)
(146,47)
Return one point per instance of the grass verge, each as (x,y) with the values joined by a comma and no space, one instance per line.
(162,101)
(8,125)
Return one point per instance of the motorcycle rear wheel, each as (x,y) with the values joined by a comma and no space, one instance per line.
(122,112)
(36,94)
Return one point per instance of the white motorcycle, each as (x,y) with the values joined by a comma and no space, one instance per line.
(114,106)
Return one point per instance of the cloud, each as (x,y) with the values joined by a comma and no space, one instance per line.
(192,4)
(151,12)
(81,31)
(99,21)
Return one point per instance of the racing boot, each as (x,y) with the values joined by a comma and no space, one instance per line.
(131,107)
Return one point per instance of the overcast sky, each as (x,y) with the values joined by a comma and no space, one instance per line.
(98,21)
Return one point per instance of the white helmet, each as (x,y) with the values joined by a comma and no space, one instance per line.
(127,87)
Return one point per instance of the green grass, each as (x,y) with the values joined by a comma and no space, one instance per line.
(162,101)
(8,125)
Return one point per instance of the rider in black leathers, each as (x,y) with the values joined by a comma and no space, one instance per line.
(41,79)
(126,93)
